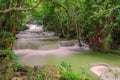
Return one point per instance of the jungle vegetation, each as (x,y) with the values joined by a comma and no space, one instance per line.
(97,22)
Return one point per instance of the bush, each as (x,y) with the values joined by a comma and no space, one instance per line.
(65,66)
(5,34)
(9,53)
(7,39)
(70,76)
(21,27)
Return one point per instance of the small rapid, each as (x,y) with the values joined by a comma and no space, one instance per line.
(34,43)
(38,47)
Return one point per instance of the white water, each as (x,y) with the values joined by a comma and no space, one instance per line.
(34,43)
(34,27)
(34,46)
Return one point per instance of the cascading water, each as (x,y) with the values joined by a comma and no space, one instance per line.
(35,38)
(34,45)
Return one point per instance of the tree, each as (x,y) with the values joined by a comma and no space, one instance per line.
(11,15)
(103,21)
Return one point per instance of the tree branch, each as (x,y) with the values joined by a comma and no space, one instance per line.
(19,9)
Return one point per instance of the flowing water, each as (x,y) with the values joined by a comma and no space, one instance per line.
(37,47)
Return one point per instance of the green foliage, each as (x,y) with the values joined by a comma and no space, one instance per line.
(21,27)
(65,66)
(39,77)
(45,72)
(6,39)
(70,76)
(16,66)
(115,51)
(11,54)
(115,37)
(5,34)
(12,20)
(91,20)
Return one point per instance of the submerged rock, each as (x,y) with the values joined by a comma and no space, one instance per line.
(67,43)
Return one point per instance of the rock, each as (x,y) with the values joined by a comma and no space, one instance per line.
(67,43)
(105,72)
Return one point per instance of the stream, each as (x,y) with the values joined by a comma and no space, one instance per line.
(35,46)
(38,47)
